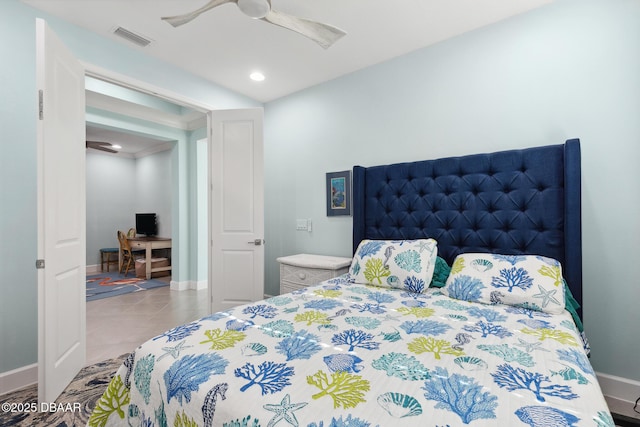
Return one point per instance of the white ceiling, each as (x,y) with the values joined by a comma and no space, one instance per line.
(225,46)
(133,146)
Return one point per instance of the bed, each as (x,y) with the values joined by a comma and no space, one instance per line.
(461,306)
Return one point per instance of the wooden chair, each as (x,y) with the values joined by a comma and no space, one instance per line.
(128,258)
(131,234)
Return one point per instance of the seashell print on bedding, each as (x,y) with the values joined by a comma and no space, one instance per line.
(399,405)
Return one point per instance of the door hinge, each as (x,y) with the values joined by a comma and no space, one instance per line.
(41,104)
(39,264)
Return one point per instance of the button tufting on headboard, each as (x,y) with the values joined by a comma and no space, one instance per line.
(516,201)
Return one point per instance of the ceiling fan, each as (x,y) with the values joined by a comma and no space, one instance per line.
(323,34)
(102,146)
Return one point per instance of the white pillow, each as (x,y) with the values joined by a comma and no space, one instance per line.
(529,281)
(402,264)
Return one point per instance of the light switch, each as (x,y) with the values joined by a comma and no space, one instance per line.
(303,225)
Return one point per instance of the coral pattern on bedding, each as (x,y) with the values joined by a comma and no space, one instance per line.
(530,281)
(401,264)
(345,354)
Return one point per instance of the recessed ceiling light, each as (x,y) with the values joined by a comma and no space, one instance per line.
(256,76)
(116,146)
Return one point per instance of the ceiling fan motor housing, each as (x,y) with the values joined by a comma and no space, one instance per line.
(255,9)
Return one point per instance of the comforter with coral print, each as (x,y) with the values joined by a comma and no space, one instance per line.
(344,354)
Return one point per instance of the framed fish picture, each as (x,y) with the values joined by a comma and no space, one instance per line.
(339,193)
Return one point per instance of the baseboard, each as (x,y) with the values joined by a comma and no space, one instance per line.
(618,387)
(179,286)
(18,378)
(185,285)
(93,269)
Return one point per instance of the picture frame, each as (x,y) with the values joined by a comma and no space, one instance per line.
(338,193)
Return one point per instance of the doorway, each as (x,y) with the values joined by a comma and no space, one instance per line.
(145,127)
(148,132)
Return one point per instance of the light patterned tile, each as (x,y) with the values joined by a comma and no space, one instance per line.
(119,324)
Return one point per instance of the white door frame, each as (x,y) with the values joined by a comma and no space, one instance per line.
(141,86)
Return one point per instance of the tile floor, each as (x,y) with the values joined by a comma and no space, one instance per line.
(117,325)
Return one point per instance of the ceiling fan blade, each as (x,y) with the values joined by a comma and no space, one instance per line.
(102,146)
(323,34)
(178,20)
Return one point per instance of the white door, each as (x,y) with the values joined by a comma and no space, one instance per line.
(61,215)
(237,208)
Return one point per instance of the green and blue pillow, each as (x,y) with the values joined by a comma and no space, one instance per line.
(529,281)
(401,264)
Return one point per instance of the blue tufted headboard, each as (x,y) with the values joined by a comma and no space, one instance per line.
(511,202)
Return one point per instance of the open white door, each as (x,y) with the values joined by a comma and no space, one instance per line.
(61,215)
(237,208)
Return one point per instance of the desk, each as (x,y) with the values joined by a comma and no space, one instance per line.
(149,244)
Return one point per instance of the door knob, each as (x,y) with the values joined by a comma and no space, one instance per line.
(256,242)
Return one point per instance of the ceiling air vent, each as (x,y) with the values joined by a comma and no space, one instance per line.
(132,37)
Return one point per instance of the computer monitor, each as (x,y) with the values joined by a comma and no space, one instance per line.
(146,224)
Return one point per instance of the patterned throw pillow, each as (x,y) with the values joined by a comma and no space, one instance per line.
(528,281)
(402,264)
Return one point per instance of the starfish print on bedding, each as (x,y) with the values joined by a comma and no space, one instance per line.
(390,317)
(546,296)
(423,246)
(175,350)
(285,410)
(530,346)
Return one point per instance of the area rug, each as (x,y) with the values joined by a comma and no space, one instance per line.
(111,284)
(72,409)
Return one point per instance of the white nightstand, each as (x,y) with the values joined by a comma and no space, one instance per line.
(302,270)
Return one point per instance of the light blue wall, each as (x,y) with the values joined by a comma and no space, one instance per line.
(198,227)
(570,69)
(18,234)
(153,178)
(135,97)
(111,198)
(18,295)
(117,188)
